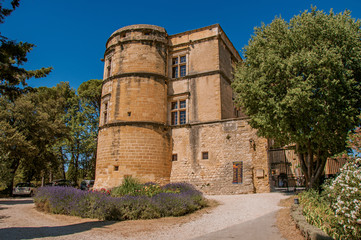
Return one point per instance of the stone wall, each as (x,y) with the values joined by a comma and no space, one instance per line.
(226,142)
(142,152)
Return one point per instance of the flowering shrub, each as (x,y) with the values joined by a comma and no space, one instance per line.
(102,190)
(337,211)
(344,194)
(174,200)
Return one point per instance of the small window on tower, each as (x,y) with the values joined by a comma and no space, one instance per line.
(109,67)
(105,113)
(204,155)
(174,157)
(116,168)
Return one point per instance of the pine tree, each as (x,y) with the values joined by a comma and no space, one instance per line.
(12,55)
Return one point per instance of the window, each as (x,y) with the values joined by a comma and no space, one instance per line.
(237,172)
(105,113)
(109,67)
(179,66)
(174,157)
(179,112)
(204,155)
(116,168)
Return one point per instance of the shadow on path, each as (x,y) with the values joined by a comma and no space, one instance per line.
(16,202)
(17,233)
(258,229)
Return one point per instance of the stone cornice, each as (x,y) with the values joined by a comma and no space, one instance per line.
(166,79)
(189,125)
(203,74)
(156,76)
(134,123)
(179,94)
(194,42)
(194,30)
(106,95)
(166,126)
(137,28)
(134,40)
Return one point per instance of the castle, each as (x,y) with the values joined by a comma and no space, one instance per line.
(167,113)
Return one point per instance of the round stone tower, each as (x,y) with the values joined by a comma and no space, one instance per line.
(134,139)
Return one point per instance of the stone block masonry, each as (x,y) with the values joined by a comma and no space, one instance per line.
(225,142)
(167,113)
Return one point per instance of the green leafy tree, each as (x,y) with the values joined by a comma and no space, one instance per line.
(82,119)
(90,97)
(300,84)
(12,55)
(29,129)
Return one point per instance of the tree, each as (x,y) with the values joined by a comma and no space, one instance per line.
(300,84)
(12,56)
(82,119)
(29,128)
(90,96)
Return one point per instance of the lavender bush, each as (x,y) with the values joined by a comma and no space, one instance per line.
(173,200)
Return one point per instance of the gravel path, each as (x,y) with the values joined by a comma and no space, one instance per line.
(245,217)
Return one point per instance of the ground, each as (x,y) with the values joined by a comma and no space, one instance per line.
(252,216)
(285,223)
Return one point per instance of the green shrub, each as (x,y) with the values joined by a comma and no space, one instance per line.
(318,212)
(130,186)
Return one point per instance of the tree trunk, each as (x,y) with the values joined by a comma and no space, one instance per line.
(312,168)
(10,185)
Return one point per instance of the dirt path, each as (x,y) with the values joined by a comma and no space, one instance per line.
(252,215)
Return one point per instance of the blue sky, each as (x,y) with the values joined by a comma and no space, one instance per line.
(70,35)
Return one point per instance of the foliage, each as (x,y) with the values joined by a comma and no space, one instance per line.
(132,187)
(12,56)
(300,84)
(97,204)
(318,212)
(82,119)
(27,132)
(344,194)
(337,210)
(354,141)
(45,131)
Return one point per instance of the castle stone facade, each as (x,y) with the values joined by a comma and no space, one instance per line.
(167,113)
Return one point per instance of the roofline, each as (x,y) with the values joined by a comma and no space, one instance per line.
(195,30)
(220,30)
(239,55)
